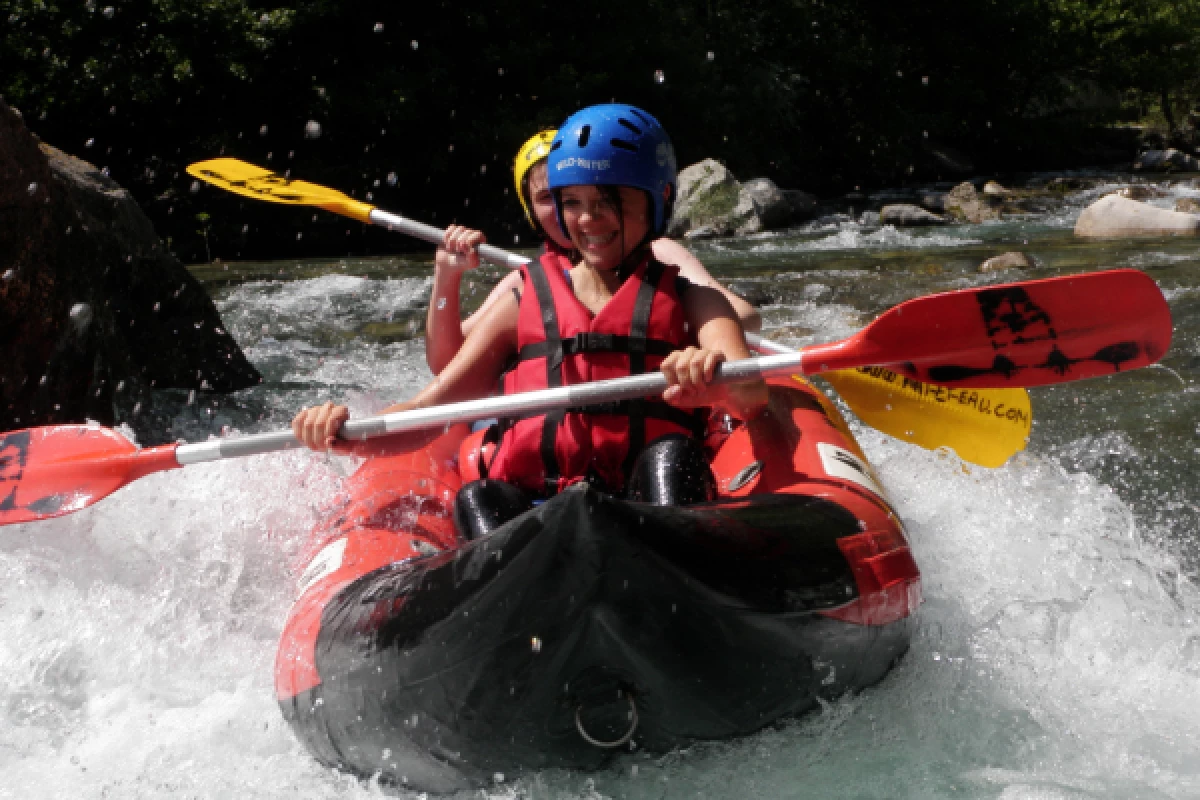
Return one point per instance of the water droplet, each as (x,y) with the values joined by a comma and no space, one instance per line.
(137,408)
(500,71)
(195,187)
(90,5)
(516,239)
(245,229)
(924,80)
(659,77)
(379,29)
(191,397)
(264,330)
(157,306)
(392,179)
(299,236)
(291,154)
(8,275)
(108,12)
(711,55)
(112,110)
(441,303)
(33,187)
(483,169)
(370,197)
(312,130)
(264,19)
(414,44)
(104,172)
(536,644)
(451,148)
(262,131)
(89,143)
(899,74)
(498,777)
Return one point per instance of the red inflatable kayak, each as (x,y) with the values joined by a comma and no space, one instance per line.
(592,623)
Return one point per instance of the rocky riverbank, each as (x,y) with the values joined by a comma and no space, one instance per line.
(94,311)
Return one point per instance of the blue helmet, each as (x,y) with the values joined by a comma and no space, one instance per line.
(615,145)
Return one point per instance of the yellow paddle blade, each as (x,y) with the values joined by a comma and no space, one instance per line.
(983,426)
(249,180)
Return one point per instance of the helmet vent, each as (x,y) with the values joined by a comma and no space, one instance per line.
(557,144)
(630,126)
(584,134)
(624,145)
(640,116)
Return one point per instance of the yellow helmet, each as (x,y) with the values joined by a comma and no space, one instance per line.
(533,151)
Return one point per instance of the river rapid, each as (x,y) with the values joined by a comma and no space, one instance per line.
(1058,651)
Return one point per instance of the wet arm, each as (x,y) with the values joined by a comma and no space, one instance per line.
(669,251)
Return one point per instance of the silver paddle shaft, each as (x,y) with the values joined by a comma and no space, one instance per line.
(524,404)
(419,230)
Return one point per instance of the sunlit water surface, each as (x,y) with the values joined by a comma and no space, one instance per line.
(1058,653)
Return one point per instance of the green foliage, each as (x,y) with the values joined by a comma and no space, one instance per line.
(421,108)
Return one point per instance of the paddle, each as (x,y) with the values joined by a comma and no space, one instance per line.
(1022,334)
(983,426)
(248,180)
(914,412)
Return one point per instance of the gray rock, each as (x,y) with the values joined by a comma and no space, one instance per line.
(1169,160)
(995,189)
(1188,205)
(1113,216)
(772,206)
(1140,192)
(707,195)
(713,203)
(93,308)
(1013,260)
(907,215)
(964,203)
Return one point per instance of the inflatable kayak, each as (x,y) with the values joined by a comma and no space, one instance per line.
(592,624)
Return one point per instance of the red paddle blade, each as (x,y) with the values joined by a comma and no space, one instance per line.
(51,471)
(1020,334)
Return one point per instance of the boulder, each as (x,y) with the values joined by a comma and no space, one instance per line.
(707,196)
(770,204)
(711,202)
(93,309)
(1169,160)
(995,189)
(1188,205)
(907,215)
(1114,216)
(1139,192)
(1012,260)
(964,203)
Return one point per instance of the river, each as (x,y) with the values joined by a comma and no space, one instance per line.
(1058,652)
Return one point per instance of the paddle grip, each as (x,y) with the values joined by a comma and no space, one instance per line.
(419,230)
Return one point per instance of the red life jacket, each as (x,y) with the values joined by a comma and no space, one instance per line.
(560,344)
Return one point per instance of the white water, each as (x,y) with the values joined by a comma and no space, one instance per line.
(1058,654)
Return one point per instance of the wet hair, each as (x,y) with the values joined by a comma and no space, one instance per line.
(533,220)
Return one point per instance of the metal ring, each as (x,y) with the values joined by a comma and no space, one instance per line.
(609,745)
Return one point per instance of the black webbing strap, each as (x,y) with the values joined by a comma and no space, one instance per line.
(554,355)
(639,329)
(597,343)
